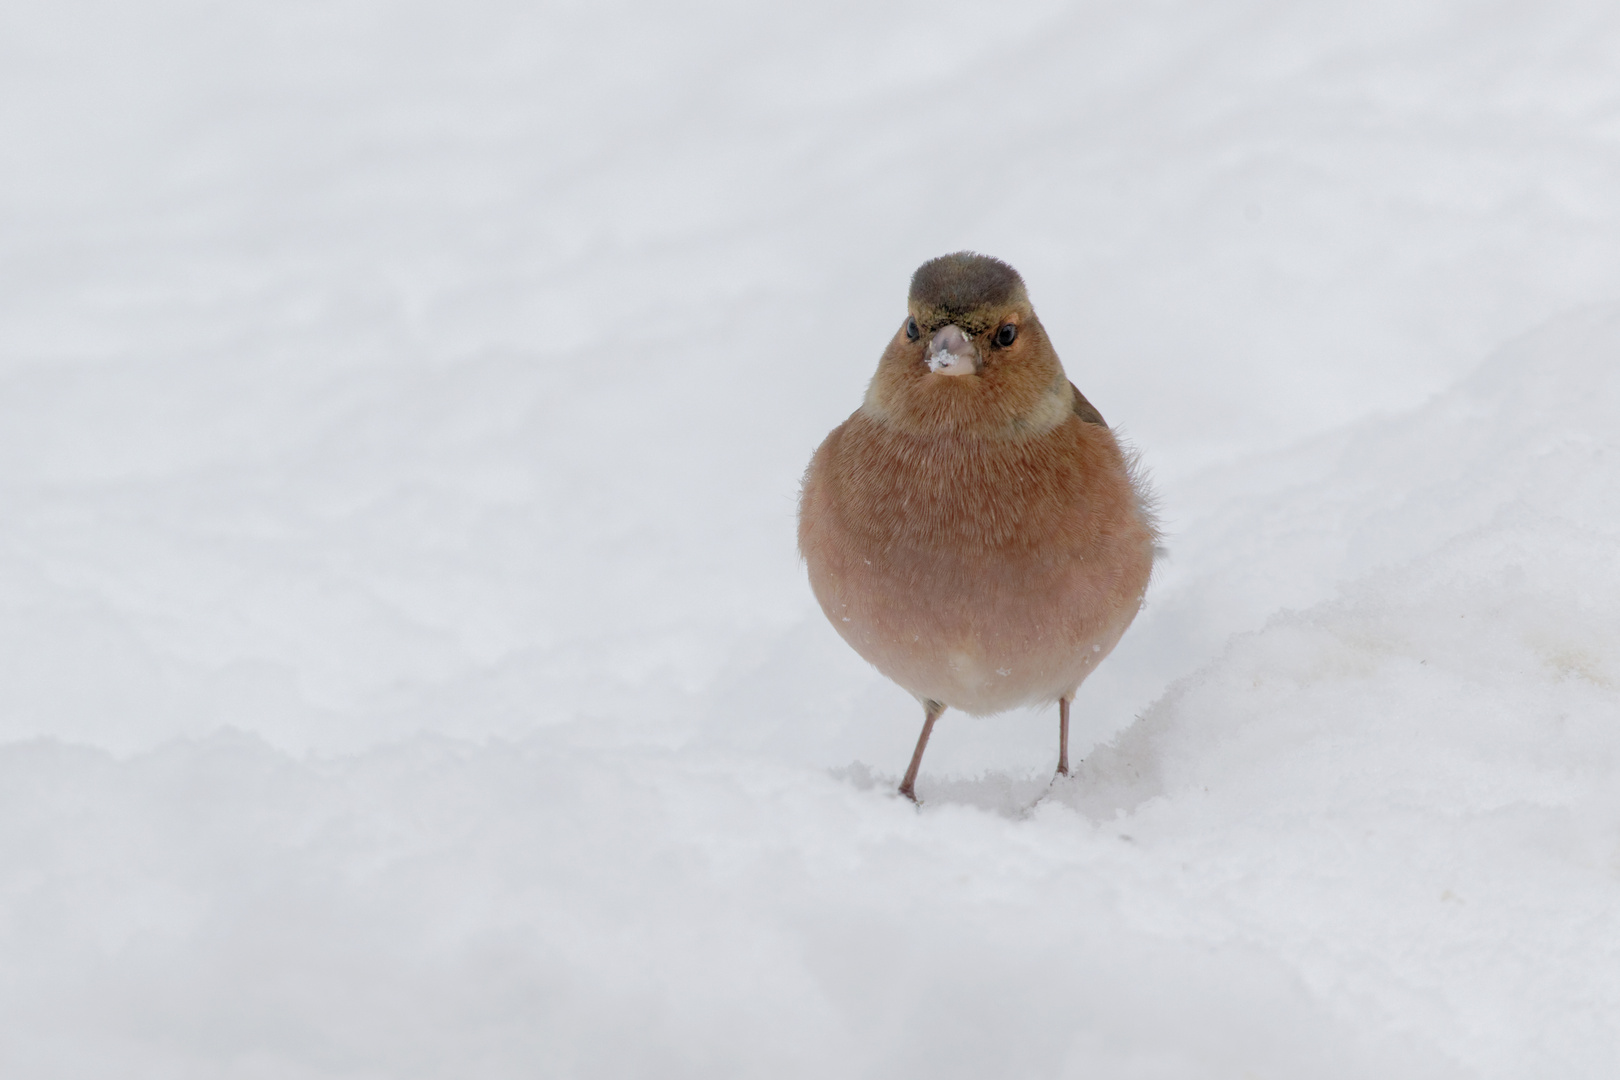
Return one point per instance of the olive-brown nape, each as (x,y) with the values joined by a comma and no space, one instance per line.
(964,282)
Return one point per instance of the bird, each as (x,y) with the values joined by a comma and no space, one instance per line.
(975,530)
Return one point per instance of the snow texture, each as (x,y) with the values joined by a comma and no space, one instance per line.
(405,665)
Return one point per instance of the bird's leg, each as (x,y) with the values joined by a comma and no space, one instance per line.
(1063,737)
(908,786)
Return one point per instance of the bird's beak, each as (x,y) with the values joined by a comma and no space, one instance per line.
(951,352)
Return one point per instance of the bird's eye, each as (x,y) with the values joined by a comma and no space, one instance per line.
(912,333)
(1006,335)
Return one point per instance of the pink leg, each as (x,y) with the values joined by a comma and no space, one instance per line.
(908,786)
(1063,737)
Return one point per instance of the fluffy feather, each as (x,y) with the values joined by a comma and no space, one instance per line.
(980,539)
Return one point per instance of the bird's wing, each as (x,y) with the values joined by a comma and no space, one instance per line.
(1084,409)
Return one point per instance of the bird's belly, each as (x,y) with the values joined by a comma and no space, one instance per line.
(986,635)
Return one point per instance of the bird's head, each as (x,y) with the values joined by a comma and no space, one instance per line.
(970,355)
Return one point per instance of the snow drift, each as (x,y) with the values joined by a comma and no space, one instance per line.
(404,665)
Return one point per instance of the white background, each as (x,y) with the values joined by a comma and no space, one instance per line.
(406,669)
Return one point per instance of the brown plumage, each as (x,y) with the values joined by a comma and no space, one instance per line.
(973,529)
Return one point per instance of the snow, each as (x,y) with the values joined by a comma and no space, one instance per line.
(406,668)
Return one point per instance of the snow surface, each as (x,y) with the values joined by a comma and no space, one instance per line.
(407,670)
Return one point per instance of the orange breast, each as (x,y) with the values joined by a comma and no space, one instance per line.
(980,572)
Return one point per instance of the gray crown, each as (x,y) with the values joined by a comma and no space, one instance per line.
(965,281)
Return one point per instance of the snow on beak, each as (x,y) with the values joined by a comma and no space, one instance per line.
(951,352)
